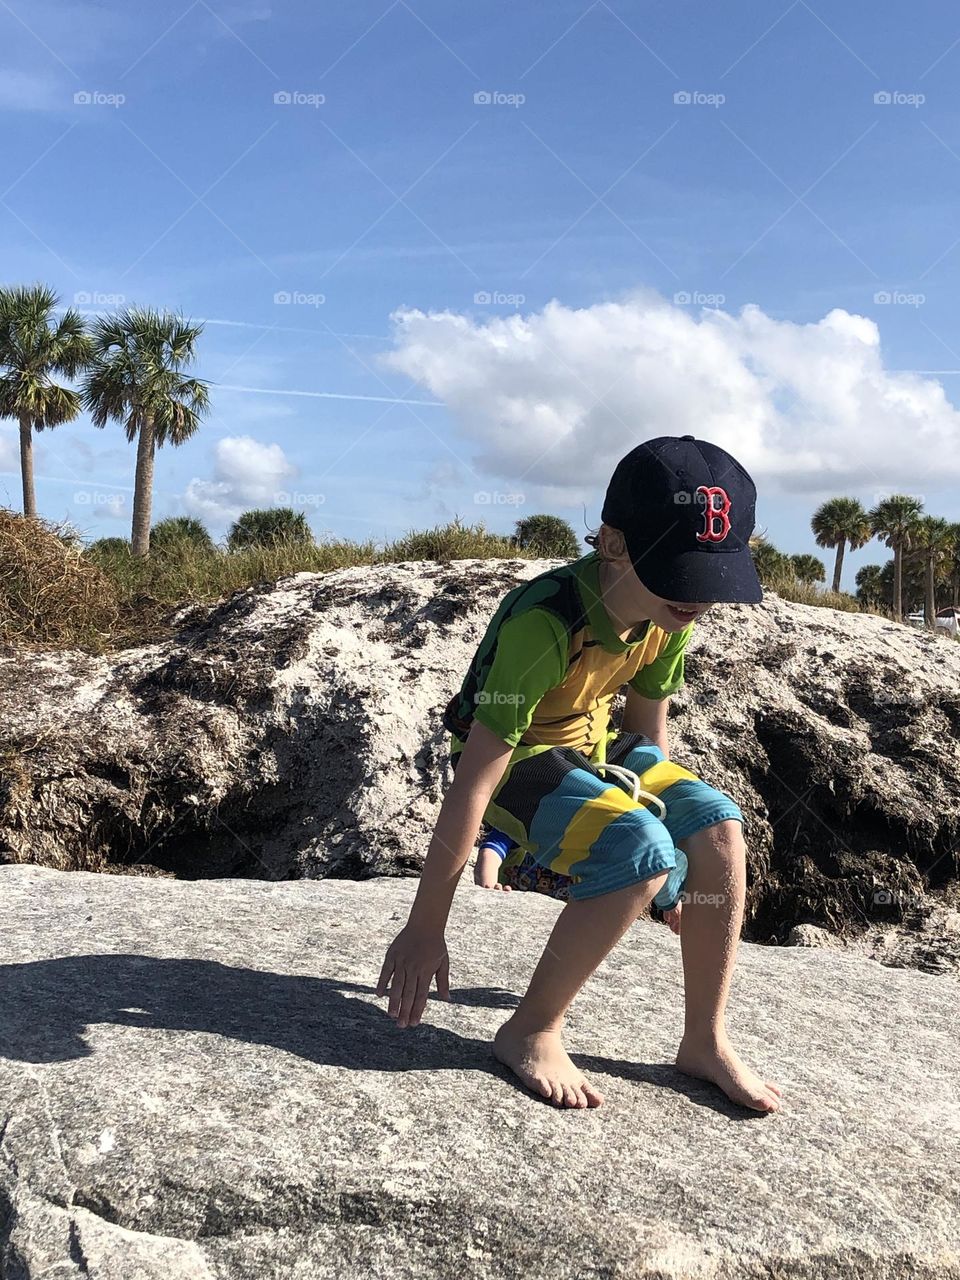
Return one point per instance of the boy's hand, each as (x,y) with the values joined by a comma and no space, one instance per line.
(413,959)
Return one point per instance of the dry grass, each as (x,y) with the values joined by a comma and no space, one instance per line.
(55,594)
(51,595)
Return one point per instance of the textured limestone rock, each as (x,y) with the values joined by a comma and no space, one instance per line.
(295,730)
(197,1081)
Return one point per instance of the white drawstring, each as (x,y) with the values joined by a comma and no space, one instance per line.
(630,777)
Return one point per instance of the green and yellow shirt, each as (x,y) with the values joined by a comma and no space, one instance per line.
(550,662)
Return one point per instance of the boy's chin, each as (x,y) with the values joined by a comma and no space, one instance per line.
(675,619)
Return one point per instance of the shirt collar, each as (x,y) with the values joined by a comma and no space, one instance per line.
(597,616)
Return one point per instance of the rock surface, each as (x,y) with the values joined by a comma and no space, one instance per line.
(295,731)
(199,1083)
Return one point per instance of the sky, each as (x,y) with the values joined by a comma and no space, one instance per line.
(458,260)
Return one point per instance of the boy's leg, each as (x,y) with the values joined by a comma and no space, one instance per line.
(708,826)
(709,936)
(529,1043)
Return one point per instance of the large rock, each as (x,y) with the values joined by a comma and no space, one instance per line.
(198,1081)
(295,731)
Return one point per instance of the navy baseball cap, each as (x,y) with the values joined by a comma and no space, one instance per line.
(687,510)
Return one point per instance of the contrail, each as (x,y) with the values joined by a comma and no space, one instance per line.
(328,395)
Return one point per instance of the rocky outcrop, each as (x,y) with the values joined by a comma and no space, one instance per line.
(295,731)
(197,1080)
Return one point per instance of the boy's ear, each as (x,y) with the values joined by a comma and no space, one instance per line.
(612,542)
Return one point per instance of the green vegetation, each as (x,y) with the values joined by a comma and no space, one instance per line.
(35,350)
(271,527)
(136,377)
(547,536)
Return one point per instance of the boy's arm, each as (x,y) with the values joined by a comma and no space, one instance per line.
(419,952)
(647,716)
(480,767)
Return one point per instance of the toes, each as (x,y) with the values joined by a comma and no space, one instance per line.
(594,1096)
(774,1088)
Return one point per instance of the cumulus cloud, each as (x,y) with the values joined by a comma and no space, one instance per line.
(556,397)
(246,474)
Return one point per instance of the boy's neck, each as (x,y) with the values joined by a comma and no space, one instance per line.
(609,578)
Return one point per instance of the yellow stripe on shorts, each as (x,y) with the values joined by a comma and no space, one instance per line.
(662,775)
(587,824)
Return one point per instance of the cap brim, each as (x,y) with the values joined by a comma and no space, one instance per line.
(701,577)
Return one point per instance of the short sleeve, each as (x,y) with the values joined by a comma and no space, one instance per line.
(530,658)
(664,675)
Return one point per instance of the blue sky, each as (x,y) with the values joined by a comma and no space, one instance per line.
(416,299)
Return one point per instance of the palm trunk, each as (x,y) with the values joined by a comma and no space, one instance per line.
(26,466)
(838,563)
(898,582)
(143,489)
(930,600)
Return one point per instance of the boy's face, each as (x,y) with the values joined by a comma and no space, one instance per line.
(669,616)
(638,601)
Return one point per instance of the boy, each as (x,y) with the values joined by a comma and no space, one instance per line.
(529,744)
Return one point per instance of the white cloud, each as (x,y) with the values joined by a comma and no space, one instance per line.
(246,474)
(556,397)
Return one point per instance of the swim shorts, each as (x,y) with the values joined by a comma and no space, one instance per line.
(579,834)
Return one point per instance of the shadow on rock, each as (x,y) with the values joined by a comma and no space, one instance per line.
(46,1006)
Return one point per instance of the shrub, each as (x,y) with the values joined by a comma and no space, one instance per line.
(179,533)
(268,527)
(51,592)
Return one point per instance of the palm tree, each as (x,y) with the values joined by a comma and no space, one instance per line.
(268,527)
(895,521)
(771,565)
(955,567)
(839,522)
(935,542)
(137,378)
(808,568)
(35,349)
(871,587)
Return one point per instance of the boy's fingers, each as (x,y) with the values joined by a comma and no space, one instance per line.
(420,1003)
(443,979)
(397,984)
(385,973)
(408,1000)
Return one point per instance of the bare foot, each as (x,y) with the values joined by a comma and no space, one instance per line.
(716,1061)
(544,1066)
(487,870)
(672,918)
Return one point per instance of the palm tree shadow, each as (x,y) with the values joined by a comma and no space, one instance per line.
(46,1007)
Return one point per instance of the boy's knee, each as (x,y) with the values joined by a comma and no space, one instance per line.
(726,835)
